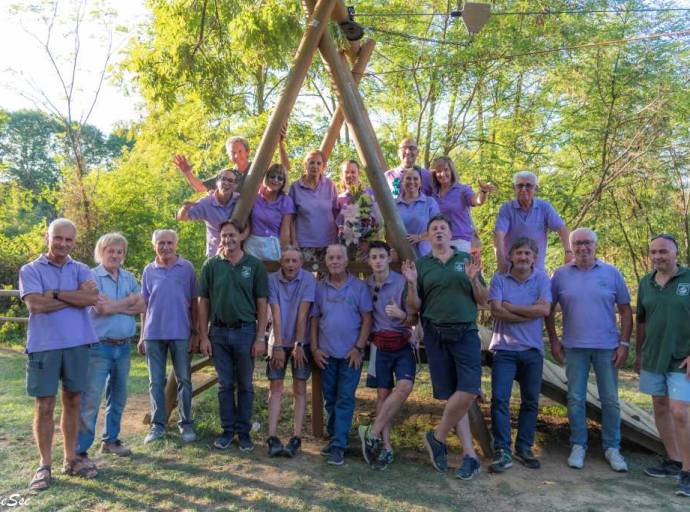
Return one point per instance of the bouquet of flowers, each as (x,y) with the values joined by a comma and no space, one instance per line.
(362,221)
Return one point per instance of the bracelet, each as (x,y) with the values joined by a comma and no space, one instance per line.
(568,251)
(625,344)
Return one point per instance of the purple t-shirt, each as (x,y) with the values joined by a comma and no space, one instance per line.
(267,216)
(168,293)
(415,217)
(316,210)
(392,289)
(456,205)
(519,335)
(213,214)
(394,179)
(588,299)
(289,295)
(533,223)
(65,328)
(340,311)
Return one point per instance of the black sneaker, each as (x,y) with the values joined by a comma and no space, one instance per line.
(275,447)
(326,449)
(502,461)
(223,441)
(245,442)
(337,456)
(684,484)
(527,458)
(438,453)
(371,446)
(292,448)
(469,467)
(667,469)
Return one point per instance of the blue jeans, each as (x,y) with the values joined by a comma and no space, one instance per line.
(156,356)
(526,368)
(339,383)
(235,367)
(577,362)
(109,369)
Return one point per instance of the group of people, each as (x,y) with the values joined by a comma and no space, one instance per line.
(82,321)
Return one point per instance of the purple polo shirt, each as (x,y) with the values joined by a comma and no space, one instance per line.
(267,216)
(393,289)
(289,295)
(456,205)
(519,335)
(168,293)
(534,223)
(588,299)
(65,328)
(213,214)
(316,210)
(340,314)
(415,216)
(396,174)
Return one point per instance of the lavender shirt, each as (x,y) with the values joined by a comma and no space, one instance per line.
(267,216)
(65,328)
(396,174)
(289,295)
(588,299)
(316,210)
(340,311)
(213,214)
(534,223)
(518,336)
(415,216)
(456,205)
(168,293)
(392,289)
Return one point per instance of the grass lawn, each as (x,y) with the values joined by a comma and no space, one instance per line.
(172,476)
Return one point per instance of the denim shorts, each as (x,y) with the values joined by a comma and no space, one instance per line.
(400,363)
(674,385)
(45,369)
(302,373)
(454,355)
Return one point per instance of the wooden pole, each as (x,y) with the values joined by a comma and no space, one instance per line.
(365,140)
(360,65)
(317,25)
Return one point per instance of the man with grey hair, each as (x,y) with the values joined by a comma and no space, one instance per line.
(169,324)
(58,292)
(527,216)
(589,292)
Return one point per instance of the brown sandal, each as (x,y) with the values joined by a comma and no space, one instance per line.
(42,478)
(80,467)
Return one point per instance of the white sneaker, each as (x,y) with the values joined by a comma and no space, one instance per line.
(616,460)
(577,456)
(188,434)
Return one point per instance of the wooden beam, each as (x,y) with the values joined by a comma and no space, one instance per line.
(317,25)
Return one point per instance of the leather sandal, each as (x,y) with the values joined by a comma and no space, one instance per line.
(80,467)
(42,478)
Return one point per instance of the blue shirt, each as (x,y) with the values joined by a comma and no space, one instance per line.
(289,295)
(588,299)
(415,216)
(519,335)
(119,325)
(340,311)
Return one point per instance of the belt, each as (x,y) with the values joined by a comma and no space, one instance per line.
(234,325)
(111,341)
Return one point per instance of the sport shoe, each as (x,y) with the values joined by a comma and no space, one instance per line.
(684,484)
(245,442)
(576,459)
(154,434)
(326,449)
(502,461)
(527,458)
(371,446)
(223,441)
(336,456)
(616,460)
(387,455)
(438,453)
(115,448)
(667,468)
(187,433)
(275,446)
(469,467)
(292,448)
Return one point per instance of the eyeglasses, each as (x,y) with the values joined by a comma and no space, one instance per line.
(668,237)
(528,186)
(276,177)
(375,297)
(410,148)
(583,242)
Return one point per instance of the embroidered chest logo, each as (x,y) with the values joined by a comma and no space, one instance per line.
(459,266)
(683,289)
(246,272)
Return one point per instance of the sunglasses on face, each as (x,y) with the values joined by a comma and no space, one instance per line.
(583,242)
(228,180)
(528,186)
(276,177)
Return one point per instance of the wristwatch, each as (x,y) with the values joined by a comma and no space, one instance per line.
(55,294)
(299,344)
(360,350)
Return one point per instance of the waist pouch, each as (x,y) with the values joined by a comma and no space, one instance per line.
(390,341)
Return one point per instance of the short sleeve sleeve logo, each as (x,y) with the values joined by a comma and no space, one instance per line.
(246,272)
(683,289)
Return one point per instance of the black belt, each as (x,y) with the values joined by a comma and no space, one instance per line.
(234,325)
(111,341)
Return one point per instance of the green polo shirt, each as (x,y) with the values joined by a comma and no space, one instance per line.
(666,315)
(445,289)
(231,289)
